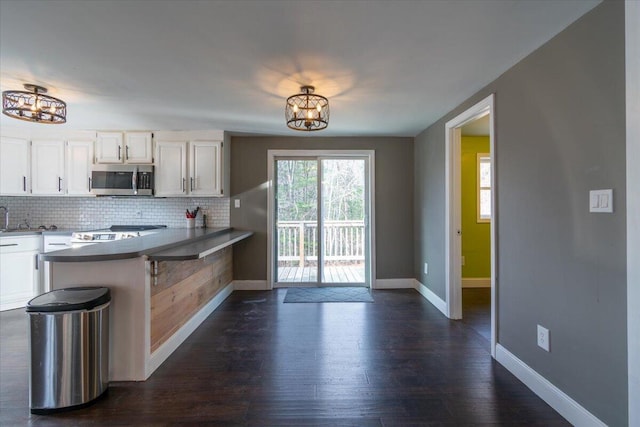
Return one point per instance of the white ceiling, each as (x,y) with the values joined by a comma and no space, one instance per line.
(387,67)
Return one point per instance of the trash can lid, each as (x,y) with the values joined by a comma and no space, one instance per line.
(69,299)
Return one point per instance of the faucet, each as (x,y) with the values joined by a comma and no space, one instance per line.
(6,217)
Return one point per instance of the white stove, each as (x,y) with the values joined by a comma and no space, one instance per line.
(116,232)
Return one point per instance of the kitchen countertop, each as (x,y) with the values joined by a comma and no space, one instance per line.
(158,242)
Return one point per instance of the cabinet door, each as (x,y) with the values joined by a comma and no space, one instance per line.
(138,147)
(18,275)
(205,168)
(171,168)
(14,166)
(79,162)
(109,147)
(47,167)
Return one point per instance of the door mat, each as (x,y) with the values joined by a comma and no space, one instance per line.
(329,294)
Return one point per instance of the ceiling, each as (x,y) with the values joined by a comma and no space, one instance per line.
(387,67)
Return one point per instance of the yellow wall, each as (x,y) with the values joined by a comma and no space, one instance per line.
(476,237)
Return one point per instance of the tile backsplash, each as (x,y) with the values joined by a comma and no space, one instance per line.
(87,213)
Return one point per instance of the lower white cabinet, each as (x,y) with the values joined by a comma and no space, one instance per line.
(19,279)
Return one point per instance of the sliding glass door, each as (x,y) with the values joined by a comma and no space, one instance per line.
(321,233)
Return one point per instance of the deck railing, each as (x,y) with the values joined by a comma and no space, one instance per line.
(298,241)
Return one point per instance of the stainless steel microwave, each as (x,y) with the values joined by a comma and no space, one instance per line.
(122,180)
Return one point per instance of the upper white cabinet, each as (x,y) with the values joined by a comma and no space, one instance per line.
(171,169)
(130,147)
(205,168)
(138,147)
(14,166)
(79,161)
(109,147)
(47,167)
(191,168)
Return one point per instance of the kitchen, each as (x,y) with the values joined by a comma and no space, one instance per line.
(104,206)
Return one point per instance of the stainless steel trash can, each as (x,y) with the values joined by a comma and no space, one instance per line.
(69,348)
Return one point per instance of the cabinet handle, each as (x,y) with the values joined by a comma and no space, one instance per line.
(57,244)
(24,184)
(59,184)
(89,183)
(36,259)
(191,183)
(127,153)
(184,180)
(9,244)
(119,151)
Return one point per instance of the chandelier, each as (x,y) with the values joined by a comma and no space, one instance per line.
(306,111)
(33,105)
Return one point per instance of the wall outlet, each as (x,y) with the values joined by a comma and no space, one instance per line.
(543,338)
(426,268)
(462,260)
(138,214)
(236,203)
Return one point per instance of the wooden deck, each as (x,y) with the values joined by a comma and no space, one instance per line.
(332,274)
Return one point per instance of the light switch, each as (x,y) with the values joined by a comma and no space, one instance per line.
(236,203)
(601,201)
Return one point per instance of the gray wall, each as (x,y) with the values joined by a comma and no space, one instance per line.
(560,123)
(393,199)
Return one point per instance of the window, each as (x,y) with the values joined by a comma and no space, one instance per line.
(484,187)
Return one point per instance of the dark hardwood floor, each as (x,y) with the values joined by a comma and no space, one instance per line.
(476,312)
(259,362)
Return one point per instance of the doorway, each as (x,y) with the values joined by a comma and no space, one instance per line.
(320,207)
(483,110)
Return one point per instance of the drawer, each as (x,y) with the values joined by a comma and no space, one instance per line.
(20,244)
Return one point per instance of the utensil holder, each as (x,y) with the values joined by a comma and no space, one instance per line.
(191,223)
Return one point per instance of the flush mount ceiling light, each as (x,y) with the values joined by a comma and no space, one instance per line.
(307,111)
(34,105)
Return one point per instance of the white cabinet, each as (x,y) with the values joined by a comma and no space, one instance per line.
(51,243)
(188,168)
(78,171)
(205,168)
(18,275)
(171,169)
(14,166)
(109,147)
(47,167)
(138,147)
(132,147)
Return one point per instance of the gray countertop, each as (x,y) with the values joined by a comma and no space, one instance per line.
(200,248)
(159,242)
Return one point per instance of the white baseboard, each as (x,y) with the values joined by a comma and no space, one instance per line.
(250,285)
(431,297)
(556,398)
(395,284)
(476,282)
(169,346)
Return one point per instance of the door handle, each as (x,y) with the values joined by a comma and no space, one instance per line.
(119,151)
(59,184)
(191,183)
(127,153)
(24,184)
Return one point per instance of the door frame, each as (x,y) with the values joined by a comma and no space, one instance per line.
(453,207)
(369,155)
